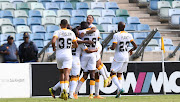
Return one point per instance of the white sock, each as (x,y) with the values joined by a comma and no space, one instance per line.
(80,82)
(58,85)
(120,82)
(96,87)
(101,70)
(72,86)
(116,82)
(62,85)
(66,84)
(92,84)
(106,72)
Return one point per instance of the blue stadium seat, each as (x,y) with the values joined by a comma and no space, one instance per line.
(50,50)
(104,20)
(38,29)
(19,37)
(76,20)
(140,35)
(168,42)
(35,13)
(104,36)
(112,28)
(157,36)
(174,15)
(172,48)
(111,5)
(52,6)
(143,27)
(58,0)
(48,36)
(6,14)
(45,1)
(5,36)
(37,36)
(46,42)
(82,6)
(153,5)
(18,21)
(39,43)
(138,41)
(34,21)
(18,43)
(52,28)
(133,20)
(78,13)
(97,5)
(116,20)
(66,6)
(130,27)
(108,13)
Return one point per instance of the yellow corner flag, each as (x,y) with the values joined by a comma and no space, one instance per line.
(162,45)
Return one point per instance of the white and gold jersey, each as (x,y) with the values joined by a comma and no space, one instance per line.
(93,37)
(122,39)
(64,42)
(76,52)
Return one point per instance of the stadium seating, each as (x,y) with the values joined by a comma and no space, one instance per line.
(82,6)
(52,6)
(6,14)
(18,21)
(49,13)
(34,21)
(176,4)
(21,14)
(133,20)
(122,13)
(5,21)
(78,13)
(58,20)
(48,21)
(111,5)
(112,28)
(95,13)
(164,7)
(76,21)
(143,27)
(97,5)
(31,1)
(38,29)
(8,29)
(37,36)
(168,42)
(140,35)
(48,36)
(66,6)
(63,13)
(108,13)
(116,20)
(58,0)
(22,29)
(23,6)
(130,27)
(153,5)
(157,36)
(7,6)
(104,20)
(100,28)
(174,15)
(39,43)
(19,37)
(37,6)
(52,28)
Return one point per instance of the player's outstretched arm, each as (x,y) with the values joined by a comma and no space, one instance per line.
(134,47)
(75,44)
(54,42)
(93,29)
(91,51)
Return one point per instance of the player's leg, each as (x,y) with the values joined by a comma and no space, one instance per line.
(72,86)
(115,67)
(107,73)
(66,82)
(100,68)
(92,83)
(97,86)
(81,81)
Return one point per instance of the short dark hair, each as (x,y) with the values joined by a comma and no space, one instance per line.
(75,30)
(84,25)
(91,16)
(121,26)
(64,22)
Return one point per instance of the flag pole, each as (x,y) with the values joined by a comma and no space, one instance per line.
(163,69)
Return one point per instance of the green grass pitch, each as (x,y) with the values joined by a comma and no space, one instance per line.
(154,98)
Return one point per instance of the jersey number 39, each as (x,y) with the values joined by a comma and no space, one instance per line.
(62,45)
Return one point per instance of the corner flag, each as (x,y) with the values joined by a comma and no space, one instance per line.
(162,45)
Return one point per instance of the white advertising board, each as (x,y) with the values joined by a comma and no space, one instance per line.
(15,80)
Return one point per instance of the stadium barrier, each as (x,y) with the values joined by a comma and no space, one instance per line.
(142,78)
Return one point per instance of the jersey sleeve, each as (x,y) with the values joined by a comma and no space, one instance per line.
(73,37)
(55,34)
(115,40)
(131,38)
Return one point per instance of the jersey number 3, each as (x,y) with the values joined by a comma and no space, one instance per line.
(62,45)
